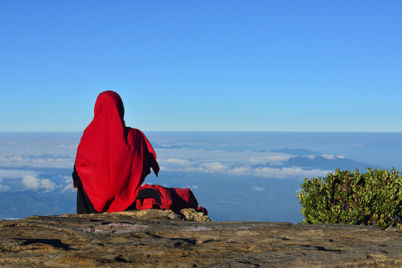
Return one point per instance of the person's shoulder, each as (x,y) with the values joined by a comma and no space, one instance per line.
(134,132)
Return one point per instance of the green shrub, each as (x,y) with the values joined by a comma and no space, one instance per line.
(371,198)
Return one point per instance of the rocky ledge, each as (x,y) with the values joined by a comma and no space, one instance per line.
(154,238)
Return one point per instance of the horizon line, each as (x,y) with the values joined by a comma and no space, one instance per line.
(216,131)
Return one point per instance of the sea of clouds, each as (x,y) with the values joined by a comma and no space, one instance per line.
(237,176)
(25,161)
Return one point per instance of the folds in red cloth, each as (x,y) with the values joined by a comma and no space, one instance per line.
(169,198)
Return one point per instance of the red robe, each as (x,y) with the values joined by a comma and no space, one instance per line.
(112,159)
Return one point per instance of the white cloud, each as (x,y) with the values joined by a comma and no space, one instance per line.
(47,185)
(239,170)
(259,189)
(329,156)
(214,167)
(47,151)
(29,180)
(68,146)
(289,172)
(278,172)
(191,186)
(191,169)
(174,164)
(9,160)
(32,183)
(273,159)
(333,157)
(68,184)
(15,173)
(177,161)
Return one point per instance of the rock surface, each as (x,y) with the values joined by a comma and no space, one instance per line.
(163,239)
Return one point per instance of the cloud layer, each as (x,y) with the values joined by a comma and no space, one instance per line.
(246,163)
(23,162)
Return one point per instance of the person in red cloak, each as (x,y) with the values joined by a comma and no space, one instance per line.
(112,162)
(112,159)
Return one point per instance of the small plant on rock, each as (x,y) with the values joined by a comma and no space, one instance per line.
(371,198)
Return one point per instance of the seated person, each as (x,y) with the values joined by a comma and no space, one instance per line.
(112,162)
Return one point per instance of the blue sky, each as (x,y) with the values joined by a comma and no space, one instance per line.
(203,65)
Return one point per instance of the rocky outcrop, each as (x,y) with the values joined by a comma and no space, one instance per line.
(156,238)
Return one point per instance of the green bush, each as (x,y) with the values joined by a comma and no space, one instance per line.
(371,198)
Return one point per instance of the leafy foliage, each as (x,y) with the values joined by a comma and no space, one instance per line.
(371,198)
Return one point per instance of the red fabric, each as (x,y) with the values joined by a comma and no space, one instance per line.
(148,203)
(171,198)
(112,159)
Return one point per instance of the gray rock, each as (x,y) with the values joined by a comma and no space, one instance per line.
(156,238)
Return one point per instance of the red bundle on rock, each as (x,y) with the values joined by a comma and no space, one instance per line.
(156,196)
